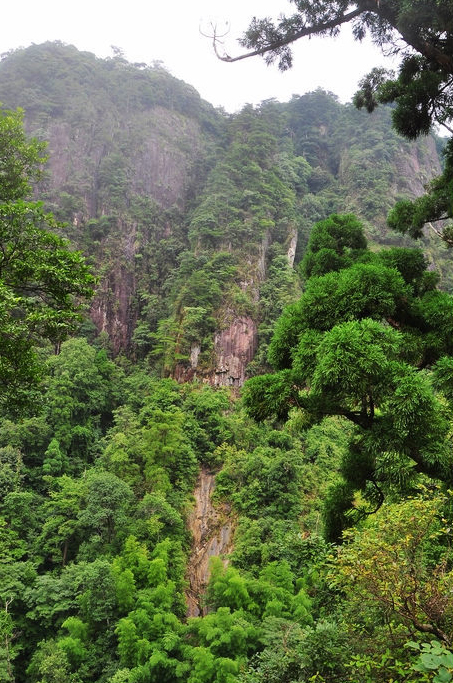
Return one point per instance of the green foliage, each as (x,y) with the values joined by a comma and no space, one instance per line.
(83,388)
(410,531)
(443,375)
(40,277)
(279,289)
(61,527)
(98,576)
(337,352)
(421,91)
(96,485)
(292,653)
(266,481)
(207,422)
(197,294)
(434,659)
(50,664)
(337,503)
(105,505)
(415,90)
(364,290)
(333,244)
(246,193)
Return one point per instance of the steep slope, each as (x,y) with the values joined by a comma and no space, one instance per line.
(127,144)
(359,158)
(193,219)
(245,221)
(105,551)
(212,533)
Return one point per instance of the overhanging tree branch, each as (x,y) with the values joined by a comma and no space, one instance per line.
(291,37)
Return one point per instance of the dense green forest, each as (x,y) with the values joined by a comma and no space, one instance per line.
(164,254)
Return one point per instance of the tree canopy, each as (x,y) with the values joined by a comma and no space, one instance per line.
(105,529)
(357,344)
(421,33)
(41,280)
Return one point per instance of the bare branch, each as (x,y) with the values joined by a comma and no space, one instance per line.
(438,232)
(442,123)
(215,36)
(214,33)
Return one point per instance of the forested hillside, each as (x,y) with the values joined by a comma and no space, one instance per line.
(232,460)
(156,186)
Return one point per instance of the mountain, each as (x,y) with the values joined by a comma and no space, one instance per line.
(159,530)
(195,220)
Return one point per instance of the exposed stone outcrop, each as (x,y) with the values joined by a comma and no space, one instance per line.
(194,353)
(416,169)
(234,349)
(261,266)
(111,308)
(212,532)
(162,146)
(292,246)
(129,146)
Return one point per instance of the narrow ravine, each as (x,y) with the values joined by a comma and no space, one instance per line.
(212,532)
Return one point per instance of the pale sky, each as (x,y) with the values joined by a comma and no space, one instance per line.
(169,31)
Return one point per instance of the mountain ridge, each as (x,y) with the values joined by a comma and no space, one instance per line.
(155,185)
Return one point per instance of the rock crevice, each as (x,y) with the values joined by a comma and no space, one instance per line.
(212,533)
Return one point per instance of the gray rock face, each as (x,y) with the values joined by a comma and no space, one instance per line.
(212,531)
(234,349)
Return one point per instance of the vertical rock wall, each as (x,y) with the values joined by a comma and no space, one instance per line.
(234,349)
(212,532)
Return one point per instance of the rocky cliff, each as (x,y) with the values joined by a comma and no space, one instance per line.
(185,212)
(212,530)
